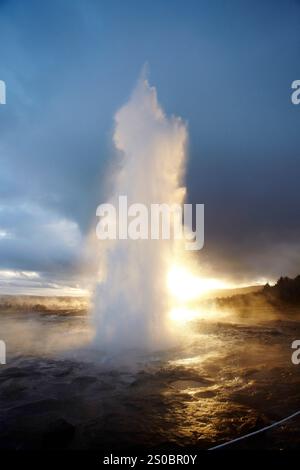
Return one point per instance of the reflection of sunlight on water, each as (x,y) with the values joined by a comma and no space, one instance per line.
(183,314)
(190,361)
(199,349)
(206,376)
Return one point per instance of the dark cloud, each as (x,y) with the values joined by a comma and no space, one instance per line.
(224,67)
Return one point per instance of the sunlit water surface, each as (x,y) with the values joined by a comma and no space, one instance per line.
(222,380)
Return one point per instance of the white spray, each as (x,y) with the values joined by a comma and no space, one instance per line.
(131,302)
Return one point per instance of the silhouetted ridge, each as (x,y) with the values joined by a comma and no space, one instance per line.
(282,297)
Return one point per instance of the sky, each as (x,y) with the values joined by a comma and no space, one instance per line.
(225,67)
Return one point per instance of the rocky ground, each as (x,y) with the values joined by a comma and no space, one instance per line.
(225,380)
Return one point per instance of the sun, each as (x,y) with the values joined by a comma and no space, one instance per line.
(185,286)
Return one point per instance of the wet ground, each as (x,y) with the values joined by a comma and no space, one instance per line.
(225,380)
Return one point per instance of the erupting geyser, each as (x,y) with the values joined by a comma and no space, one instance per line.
(132,301)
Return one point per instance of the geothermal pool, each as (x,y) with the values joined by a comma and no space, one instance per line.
(223,380)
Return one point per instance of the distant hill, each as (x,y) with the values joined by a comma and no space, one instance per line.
(220,293)
(284,295)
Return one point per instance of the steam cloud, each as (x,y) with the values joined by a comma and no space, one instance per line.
(131,301)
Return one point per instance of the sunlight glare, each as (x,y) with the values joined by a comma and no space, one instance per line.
(184,285)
